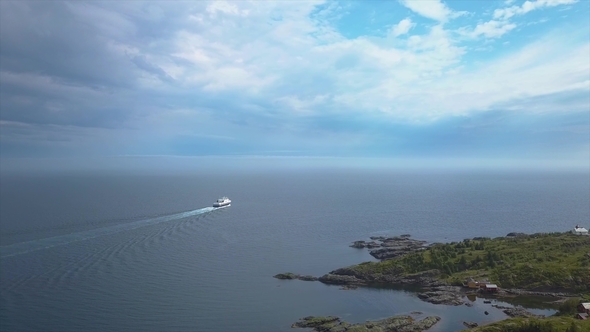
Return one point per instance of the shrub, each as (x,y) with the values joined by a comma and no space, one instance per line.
(569,307)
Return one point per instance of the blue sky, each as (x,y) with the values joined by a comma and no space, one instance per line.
(404,80)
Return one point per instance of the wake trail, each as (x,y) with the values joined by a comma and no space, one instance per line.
(29,246)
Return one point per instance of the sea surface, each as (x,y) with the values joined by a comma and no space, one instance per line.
(118,251)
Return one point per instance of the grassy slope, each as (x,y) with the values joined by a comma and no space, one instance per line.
(551,262)
(552,324)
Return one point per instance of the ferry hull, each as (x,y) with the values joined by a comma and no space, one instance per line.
(224,201)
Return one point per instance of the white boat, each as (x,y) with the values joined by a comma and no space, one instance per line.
(221,202)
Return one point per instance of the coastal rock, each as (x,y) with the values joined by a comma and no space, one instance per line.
(285,276)
(519,312)
(291,276)
(390,247)
(394,276)
(397,246)
(470,324)
(363,244)
(426,323)
(516,312)
(358,244)
(388,253)
(396,323)
(315,322)
(514,291)
(402,242)
(441,297)
(335,279)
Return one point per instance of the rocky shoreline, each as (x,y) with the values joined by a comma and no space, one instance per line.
(397,323)
(429,285)
(291,276)
(390,247)
(434,290)
(516,312)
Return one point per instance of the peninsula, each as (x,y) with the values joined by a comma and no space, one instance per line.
(544,264)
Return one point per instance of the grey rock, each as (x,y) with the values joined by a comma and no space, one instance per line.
(441,297)
(336,279)
(358,244)
(470,324)
(291,276)
(519,312)
(396,323)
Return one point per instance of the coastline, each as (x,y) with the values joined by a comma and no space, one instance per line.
(406,262)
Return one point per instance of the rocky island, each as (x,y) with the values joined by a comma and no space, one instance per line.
(543,264)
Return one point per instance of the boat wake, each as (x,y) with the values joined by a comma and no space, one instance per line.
(29,246)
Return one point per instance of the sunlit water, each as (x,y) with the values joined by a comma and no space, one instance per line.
(100,252)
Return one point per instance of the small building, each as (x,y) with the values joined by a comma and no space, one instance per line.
(472,283)
(582,316)
(492,288)
(584,307)
(475,284)
(579,230)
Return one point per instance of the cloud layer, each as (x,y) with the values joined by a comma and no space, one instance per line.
(200,78)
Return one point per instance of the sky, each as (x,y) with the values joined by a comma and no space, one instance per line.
(495,81)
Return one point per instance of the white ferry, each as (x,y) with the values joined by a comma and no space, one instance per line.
(221,202)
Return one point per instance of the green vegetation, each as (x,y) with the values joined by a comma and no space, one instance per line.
(549,324)
(542,262)
(569,307)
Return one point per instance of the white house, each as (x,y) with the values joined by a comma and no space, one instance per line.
(579,230)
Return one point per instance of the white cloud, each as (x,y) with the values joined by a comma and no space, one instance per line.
(433,9)
(225,8)
(402,27)
(304,66)
(528,6)
(538,69)
(288,61)
(490,29)
(501,24)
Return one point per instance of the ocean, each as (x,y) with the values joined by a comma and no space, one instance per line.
(120,251)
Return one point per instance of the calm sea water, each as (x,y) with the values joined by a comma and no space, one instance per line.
(124,252)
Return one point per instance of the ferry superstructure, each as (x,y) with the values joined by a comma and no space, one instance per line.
(221,202)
